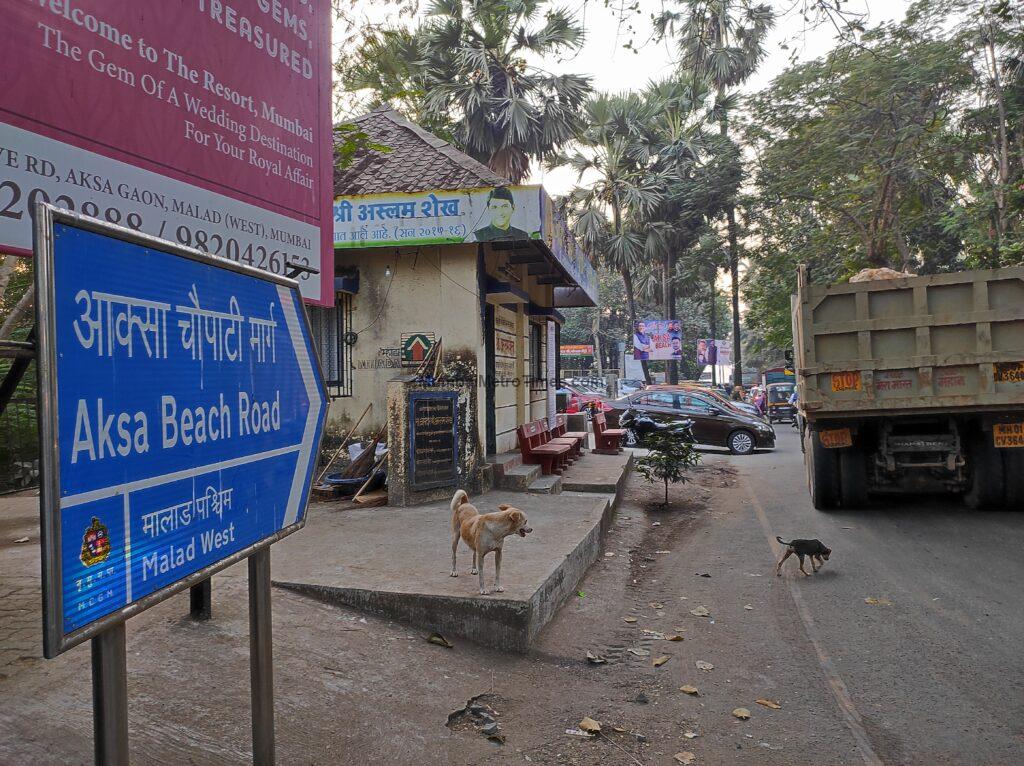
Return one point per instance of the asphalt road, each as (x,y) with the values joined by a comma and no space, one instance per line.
(930,674)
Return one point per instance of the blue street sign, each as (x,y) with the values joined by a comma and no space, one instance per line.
(183,407)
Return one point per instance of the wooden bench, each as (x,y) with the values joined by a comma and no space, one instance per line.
(561,430)
(574,442)
(607,441)
(537,449)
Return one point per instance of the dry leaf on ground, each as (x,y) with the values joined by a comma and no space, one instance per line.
(437,638)
(659,661)
(742,713)
(630,620)
(639,652)
(748,607)
(673,637)
(877,601)
(702,665)
(690,734)
(769,704)
(690,690)
(657,605)
(700,611)
(595,659)
(684,757)
(590,726)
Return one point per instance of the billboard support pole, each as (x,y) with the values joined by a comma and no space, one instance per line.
(110,697)
(200,601)
(261,659)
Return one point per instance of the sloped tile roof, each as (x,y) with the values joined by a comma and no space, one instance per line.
(418,161)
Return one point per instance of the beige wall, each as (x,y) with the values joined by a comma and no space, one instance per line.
(432,289)
(435,289)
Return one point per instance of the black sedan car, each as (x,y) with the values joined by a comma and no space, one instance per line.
(713,423)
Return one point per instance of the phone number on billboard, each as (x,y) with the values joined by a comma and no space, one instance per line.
(15,204)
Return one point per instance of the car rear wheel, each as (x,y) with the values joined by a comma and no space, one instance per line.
(741,442)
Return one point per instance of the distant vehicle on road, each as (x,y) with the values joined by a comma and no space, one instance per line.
(714,423)
(581,395)
(779,408)
(744,407)
(630,385)
(913,384)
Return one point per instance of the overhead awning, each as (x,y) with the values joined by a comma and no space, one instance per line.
(505,293)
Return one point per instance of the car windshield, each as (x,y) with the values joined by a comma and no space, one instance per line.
(778,394)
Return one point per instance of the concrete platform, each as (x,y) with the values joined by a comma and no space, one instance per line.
(396,562)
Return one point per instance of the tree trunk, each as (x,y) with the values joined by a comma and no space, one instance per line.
(669,295)
(714,325)
(734,272)
(23,306)
(627,283)
(666,491)
(596,329)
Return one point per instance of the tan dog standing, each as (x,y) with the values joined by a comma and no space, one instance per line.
(484,533)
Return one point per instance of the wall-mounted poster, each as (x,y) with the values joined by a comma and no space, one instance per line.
(655,339)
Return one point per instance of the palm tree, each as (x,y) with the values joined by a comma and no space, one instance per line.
(616,191)
(723,42)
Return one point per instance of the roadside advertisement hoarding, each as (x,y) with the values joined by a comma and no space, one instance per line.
(200,122)
(655,339)
(182,407)
(713,351)
(577,350)
(488,214)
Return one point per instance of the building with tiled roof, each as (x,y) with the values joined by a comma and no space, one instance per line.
(430,244)
(417,160)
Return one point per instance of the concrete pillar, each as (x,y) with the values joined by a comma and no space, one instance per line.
(549,370)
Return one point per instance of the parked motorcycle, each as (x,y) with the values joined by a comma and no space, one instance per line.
(639,427)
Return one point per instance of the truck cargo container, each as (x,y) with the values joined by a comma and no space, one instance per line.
(913,385)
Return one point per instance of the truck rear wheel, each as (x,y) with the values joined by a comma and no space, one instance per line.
(853,478)
(986,491)
(1013,476)
(822,474)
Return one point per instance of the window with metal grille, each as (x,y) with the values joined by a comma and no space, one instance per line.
(330,325)
(536,353)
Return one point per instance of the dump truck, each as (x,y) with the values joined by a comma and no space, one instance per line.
(912,385)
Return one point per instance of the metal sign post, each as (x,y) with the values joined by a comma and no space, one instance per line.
(261,659)
(181,411)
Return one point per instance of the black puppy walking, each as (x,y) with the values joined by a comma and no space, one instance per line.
(816,549)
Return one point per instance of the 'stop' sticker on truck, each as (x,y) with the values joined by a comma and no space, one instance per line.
(845,381)
(1008,372)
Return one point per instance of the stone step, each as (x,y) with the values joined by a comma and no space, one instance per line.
(546,485)
(504,462)
(518,478)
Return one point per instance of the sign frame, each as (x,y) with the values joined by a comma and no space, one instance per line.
(55,641)
(420,396)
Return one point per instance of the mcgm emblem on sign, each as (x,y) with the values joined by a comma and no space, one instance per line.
(95,544)
(415,347)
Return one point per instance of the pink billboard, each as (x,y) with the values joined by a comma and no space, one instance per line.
(206,122)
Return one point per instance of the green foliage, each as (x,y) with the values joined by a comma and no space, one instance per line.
(669,458)
(467,72)
(902,149)
(350,141)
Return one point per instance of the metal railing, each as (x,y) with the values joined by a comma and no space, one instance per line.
(19,445)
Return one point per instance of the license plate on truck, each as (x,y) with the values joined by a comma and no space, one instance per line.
(835,438)
(845,381)
(1008,434)
(1008,372)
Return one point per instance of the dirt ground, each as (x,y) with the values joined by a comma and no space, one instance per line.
(923,675)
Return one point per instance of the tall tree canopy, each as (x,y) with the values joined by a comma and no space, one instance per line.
(903,149)
(473,71)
